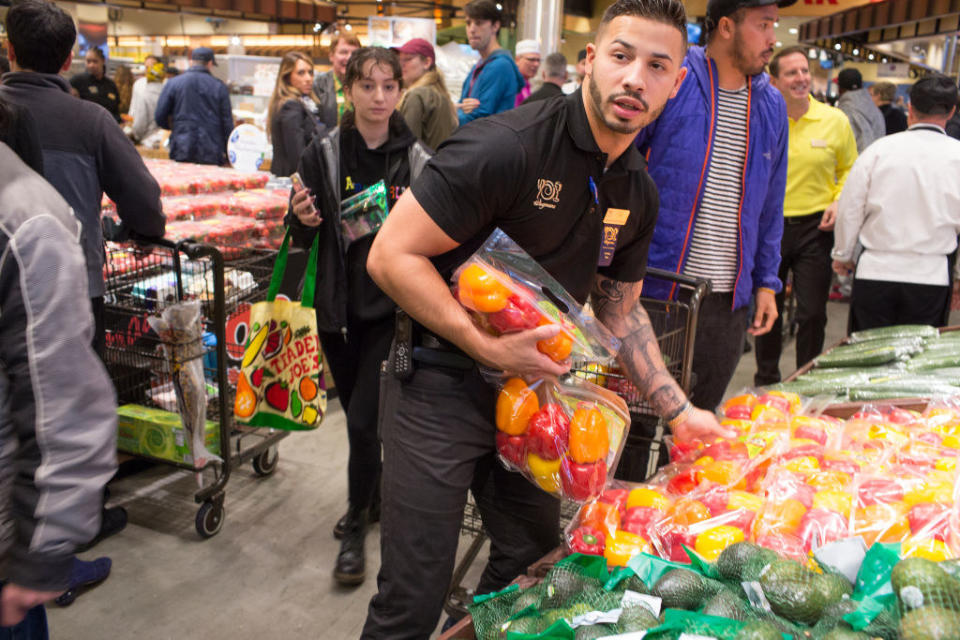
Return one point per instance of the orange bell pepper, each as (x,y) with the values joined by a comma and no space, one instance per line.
(557,348)
(622,546)
(588,440)
(480,290)
(601,516)
(516,404)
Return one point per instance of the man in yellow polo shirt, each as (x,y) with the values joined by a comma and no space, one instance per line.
(822,149)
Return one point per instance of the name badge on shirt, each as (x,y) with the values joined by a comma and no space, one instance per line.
(612,222)
(818,144)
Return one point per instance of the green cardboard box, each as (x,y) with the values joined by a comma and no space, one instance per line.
(148,431)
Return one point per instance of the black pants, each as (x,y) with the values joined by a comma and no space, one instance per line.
(99,330)
(438,443)
(355,365)
(717,348)
(876,303)
(804,250)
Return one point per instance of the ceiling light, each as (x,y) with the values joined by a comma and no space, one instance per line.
(499,7)
(837,46)
(812,54)
(317,27)
(779,44)
(870,56)
(856,52)
(793,31)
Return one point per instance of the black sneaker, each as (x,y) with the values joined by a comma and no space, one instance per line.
(84,576)
(112,520)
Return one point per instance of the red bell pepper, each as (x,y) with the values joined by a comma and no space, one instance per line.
(616,497)
(820,526)
(929,519)
(587,540)
(548,432)
(640,520)
(581,482)
(513,449)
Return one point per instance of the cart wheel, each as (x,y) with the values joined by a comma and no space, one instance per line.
(209,519)
(266,463)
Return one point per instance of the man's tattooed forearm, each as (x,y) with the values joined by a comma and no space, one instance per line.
(616,304)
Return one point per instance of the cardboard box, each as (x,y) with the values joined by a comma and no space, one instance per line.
(156,433)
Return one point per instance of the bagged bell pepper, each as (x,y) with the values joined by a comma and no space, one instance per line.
(505,290)
(565,435)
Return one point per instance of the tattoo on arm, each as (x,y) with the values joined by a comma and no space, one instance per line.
(616,304)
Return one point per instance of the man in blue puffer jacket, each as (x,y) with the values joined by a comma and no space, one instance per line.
(493,83)
(196,106)
(718,154)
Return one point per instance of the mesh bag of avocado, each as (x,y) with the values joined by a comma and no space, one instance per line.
(492,610)
(679,623)
(928,599)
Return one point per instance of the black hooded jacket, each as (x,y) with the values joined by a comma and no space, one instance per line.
(343,285)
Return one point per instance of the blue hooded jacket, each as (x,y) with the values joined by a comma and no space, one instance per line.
(198,105)
(677,146)
(496,86)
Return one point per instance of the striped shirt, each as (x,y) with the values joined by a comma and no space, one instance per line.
(713,246)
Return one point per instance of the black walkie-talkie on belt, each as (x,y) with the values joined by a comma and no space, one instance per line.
(403,346)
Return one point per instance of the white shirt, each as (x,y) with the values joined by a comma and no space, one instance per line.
(902,201)
(143,104)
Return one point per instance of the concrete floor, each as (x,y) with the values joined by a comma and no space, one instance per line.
(267,574)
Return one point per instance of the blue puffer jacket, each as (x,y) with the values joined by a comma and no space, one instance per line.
(196,106)
(677,146)
(496,86)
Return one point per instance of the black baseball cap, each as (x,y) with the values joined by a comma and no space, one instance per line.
(717,9)
(203,54)
(849,80)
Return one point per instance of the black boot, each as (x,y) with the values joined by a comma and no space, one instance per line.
(373,514)
(351,561)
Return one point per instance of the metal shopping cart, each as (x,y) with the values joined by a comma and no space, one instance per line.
(142,282)
(675,323)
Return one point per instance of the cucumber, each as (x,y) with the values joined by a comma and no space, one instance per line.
(858,394)
(896,331)
(934,361)
(839,358)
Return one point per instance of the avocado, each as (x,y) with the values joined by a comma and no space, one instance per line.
(636,618)
(526,598)
(885,625)
(633,583)
(758,630)
(930,623)
(726,604)
(832,587)
(735,558)
(836,610)
(794,592)
(951,567)
(561,587)
(919,582)
(680,589)
(594,631)
(842,633)
(577,609)
(526,624)
(755,564)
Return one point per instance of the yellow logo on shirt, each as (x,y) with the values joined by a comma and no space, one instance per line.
(548,196)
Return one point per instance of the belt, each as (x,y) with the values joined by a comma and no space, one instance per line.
(433,350)
(807,217)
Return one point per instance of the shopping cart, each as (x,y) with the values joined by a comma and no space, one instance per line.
(675,324)
(142,282)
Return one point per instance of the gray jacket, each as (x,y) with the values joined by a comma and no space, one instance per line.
(865,117)
(325,87)
(58,412)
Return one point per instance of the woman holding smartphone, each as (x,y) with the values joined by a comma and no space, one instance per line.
(354,317)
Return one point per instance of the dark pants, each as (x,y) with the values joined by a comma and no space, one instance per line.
(438,443)
(99,331)
(355,365)
(717,348)
(32,627)
(876,303)
(804,250)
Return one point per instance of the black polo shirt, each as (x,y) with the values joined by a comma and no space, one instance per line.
(530,171)
(103,91)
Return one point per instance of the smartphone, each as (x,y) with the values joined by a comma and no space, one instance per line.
(298,186)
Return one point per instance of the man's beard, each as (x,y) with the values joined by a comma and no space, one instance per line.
(740,61)
(615,125)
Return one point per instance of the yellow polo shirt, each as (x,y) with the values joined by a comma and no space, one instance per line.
(822,151)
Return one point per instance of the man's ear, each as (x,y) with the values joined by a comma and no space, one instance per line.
(680,77)
(66,65)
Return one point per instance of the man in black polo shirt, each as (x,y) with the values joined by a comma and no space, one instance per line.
(95,86)
(437,426)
